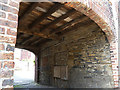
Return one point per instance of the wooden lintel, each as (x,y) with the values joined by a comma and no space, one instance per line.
(40,34)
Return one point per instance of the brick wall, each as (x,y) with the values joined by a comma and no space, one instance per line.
(8,29)
(119,37)
(87,56)
(100,12)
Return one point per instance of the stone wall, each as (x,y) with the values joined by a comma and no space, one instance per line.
(85,52)
(104,13)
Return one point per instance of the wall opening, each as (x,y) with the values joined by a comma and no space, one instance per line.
(24,71)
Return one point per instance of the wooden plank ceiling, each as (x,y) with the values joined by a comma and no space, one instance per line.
(45,21)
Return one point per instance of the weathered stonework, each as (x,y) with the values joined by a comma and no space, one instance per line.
(7,82)
(101,13)
(86,55)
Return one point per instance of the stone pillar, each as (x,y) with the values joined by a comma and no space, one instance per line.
(8,30)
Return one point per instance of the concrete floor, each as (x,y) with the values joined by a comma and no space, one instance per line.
(32,85)
(23,77)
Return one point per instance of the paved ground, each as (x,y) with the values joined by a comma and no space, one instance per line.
(25,79)
(31,85)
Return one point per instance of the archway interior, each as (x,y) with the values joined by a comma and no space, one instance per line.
(72,50)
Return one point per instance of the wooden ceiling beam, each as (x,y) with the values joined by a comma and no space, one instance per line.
(28,10)
(76,26)
(79,19)
(58,19)
(36,41)
(45,15)
(24,29)
(42,42)
(26,39)
(31,41)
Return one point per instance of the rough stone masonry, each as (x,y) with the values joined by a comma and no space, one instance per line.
(87,62)
(85,56)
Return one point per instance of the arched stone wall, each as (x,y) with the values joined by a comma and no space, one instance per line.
(86,59)
(101,13)
(95,11)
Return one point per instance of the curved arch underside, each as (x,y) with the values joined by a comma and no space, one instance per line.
(56,32)
(39,23)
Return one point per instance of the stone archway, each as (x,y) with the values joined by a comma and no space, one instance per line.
(8,27)
(98,12)
(91,10)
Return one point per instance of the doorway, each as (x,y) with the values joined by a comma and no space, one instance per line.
(24,67)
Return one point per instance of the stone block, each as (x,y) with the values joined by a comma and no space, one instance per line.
(7,82)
